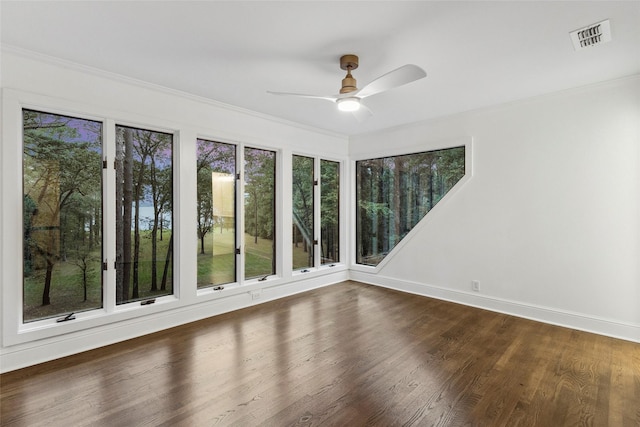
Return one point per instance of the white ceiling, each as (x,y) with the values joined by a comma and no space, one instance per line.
(475,53)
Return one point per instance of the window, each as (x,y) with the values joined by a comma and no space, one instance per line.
(259,212)
(303,212)
(62,215)
(216,205)
(144,219)
(329,212)
(100,236)
(394,193)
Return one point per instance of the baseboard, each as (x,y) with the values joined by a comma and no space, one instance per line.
(578,321)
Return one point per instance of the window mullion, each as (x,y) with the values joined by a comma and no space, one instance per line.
(316,213)
(109,216)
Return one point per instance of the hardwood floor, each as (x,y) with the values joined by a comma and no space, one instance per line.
(344,355)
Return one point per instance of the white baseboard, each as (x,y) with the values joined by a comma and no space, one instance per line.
(578,321)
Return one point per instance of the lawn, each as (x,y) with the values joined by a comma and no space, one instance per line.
(67,290)
(216,266)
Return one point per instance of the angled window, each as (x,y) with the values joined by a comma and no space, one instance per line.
(216,207)
(144,214)
(329,212)
(259,212)
(394,193)
(303,211)
(62,215)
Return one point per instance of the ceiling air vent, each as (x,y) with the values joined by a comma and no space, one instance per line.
(592,35)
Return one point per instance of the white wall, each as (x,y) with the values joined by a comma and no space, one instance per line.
(52,85)
(549,221)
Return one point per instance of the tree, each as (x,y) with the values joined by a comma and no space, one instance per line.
(260,187)
(206,153)
(161,182)
(146,179)
(259,175)
(329,209)
(62,164)
(124,200)
(394,193)
(302,201)
(204,205)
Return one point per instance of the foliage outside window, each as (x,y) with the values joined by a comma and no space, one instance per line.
(216,206)
(144,214)
(303,205)
(329,212)
(259,212)
(62,215)
(394,193)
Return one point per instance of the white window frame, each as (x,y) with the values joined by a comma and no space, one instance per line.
(318,267)
(14,329)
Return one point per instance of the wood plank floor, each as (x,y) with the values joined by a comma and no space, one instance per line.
(345,355)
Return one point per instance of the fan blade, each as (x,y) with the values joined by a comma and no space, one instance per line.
(331,98)
(362,113)
(398,77)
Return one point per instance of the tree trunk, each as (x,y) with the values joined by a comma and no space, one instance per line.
(126,217)
(84,278)
(154,229)
(255,239)
(154,261)
(136,230)
(46,300)
(119,225)
(167,261)
(396,210)
(136,248)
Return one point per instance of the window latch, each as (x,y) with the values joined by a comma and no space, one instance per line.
(70,316)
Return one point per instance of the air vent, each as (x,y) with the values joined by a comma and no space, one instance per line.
(592,35)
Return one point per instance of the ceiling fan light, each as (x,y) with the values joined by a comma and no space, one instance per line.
(349,104)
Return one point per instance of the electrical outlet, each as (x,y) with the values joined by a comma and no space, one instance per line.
(256,294)
(475,286)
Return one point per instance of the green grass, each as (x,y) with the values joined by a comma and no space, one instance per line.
(216,266)
(67,291)
(300,257)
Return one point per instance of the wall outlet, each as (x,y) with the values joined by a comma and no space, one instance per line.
(475,286)
(256,294)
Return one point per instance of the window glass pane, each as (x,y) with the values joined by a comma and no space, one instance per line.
(259,212)
(394,193)
(302,193)
(62,215)
(330,211)
(216,169)
(144,214)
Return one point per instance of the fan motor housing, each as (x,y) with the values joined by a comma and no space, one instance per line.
(349,62)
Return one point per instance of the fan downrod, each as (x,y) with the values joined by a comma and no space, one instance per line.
(349,63)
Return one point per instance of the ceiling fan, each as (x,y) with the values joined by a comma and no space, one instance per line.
(350,96)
